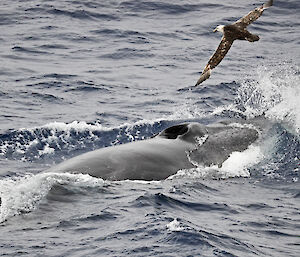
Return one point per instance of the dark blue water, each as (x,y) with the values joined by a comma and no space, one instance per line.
(81,75)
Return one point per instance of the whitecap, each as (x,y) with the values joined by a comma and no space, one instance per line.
(174,225)
(23,194)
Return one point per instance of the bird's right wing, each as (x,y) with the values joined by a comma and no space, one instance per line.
(216,58)
(253,15)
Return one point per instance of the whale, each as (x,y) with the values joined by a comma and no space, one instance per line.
(182,146)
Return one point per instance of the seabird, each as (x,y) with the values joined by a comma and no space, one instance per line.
(236,30)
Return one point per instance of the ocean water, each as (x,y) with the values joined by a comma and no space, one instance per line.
(81,75)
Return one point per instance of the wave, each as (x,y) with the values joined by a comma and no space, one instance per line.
(22,194)
(69,139)
(128,53)
(163,7)
(28,50)
(82,14)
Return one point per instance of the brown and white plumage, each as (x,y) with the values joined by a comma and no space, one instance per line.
(231,32)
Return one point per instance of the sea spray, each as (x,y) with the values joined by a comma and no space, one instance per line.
(274,92)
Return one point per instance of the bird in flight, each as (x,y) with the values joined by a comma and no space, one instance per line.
(236,30)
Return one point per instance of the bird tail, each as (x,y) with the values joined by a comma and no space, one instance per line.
(204,76)
(268,4)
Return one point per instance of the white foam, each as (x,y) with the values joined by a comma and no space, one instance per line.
(79,126)
(144,182)
(237,165)
(238,162)
(174,226)
(47,150)
(23,194)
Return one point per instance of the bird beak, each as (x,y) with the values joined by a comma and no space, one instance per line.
(215,30)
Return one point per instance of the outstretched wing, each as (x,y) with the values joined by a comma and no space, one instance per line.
(216,58)
(253,15)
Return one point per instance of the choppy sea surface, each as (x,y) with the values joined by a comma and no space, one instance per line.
(81,75)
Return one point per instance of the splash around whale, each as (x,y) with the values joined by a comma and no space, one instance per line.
(178,147)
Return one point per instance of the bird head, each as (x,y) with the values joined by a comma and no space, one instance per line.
(219,28)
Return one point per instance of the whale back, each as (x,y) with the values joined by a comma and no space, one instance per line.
(178,147)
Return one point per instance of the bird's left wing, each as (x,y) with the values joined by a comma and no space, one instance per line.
(216,58)
(253,15)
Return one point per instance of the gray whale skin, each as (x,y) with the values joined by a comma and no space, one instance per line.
(178,147)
